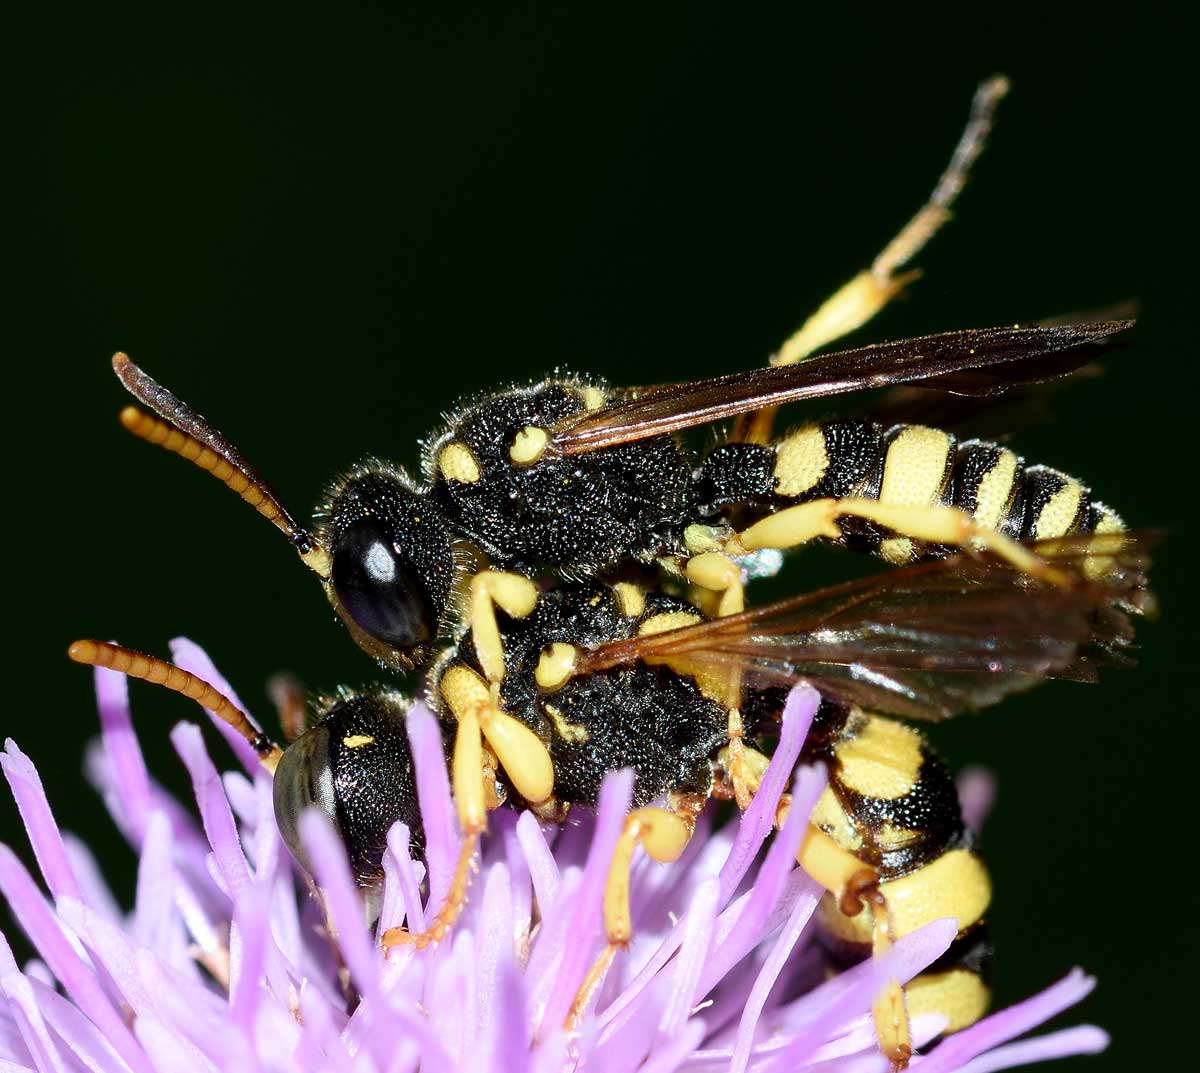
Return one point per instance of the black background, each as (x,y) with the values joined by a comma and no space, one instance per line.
(320,233)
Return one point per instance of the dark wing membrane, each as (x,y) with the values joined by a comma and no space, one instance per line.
(981,361)
(927,641)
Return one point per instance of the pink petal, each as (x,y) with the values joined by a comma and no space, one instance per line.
(40,826)
(76,977)
(1002,1026)
(130,782)
(438,817)
(215,812)
(585,916)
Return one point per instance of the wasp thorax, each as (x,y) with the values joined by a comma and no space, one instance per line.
(393,565)
(355,766)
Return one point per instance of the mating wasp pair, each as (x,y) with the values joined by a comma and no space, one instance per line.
(570,576)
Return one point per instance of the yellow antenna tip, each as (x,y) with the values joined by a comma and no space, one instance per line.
(83,651)
(130,417)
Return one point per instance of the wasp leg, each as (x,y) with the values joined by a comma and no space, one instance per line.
(467,775)
(513,593)
(933,524)
(857,301)
(743,767)
(524,759)
(856,886)
(664,834)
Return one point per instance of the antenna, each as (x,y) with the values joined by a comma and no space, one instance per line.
(189,435)
(161,673)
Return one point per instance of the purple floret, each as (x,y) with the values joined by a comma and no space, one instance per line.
(228,960)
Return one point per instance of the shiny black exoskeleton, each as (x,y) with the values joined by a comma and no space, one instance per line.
(580,513)
(355,765)
(393,542)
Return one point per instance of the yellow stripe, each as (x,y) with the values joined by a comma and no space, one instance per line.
(800,461)
(994,490)
(915,468)
(1058,515)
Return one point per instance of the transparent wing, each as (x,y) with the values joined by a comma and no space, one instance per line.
(927,641)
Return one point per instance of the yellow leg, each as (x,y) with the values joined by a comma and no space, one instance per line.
(797,525)
(467,775)
(664,834)
(888,1010)
(856,302)
(516,748)
(720,574)
(516,595)
(855,886)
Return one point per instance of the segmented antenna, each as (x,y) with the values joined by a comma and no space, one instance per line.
(189,435)
(161,673)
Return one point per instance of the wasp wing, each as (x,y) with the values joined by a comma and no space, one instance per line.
(983,361)
(926,641)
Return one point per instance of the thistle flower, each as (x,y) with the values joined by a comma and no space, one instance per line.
(228,960)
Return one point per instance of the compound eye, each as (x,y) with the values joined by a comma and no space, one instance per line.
(303,779)
(379,589)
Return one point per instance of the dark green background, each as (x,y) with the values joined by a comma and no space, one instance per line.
(321,232)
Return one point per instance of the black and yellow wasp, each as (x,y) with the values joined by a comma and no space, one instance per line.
(571,577)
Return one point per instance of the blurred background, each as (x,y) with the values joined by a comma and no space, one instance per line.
(321,233)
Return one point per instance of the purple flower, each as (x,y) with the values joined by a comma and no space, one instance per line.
(228,961)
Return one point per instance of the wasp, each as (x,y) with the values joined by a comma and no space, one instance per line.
(571,577)
(652,687)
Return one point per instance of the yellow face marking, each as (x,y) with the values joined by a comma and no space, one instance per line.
(357,741)
(958,995)
(995,489)
(457,463)
(528,445)
(883,760)
(631,599)
(1059,512)
(800,461)
(953,885)
(555,666)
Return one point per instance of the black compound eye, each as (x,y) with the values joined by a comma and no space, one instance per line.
(303,779)
(379,589)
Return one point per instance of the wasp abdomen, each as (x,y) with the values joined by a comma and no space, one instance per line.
(892,803)
(904,466)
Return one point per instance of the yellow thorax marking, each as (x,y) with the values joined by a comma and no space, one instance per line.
(457,463)
(528,445)
(555,666)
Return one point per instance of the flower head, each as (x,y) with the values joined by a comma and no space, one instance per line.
(228,959)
